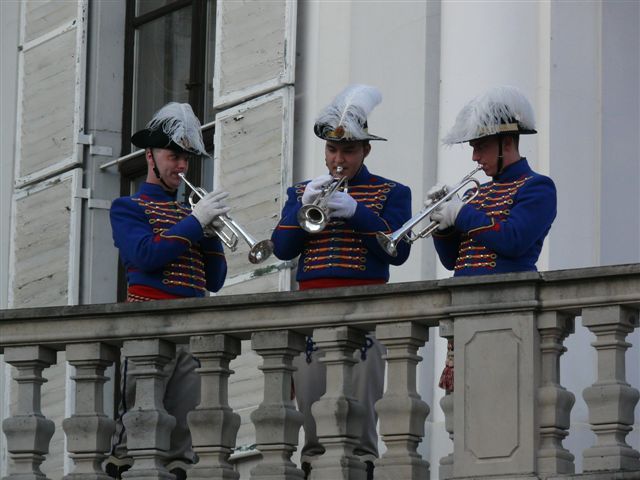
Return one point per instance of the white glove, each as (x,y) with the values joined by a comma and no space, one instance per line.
(314,187)
(434,193)
(341,205)
(446,215)
(210,207)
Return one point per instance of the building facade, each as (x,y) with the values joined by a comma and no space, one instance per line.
(79,77)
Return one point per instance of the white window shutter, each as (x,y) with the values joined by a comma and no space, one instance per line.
(253,77)
(45,248)
(51,92)
(255,48)
(252,161)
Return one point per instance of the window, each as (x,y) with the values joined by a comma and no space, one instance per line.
(169,52)
(168,57)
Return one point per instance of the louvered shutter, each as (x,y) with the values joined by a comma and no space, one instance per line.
(46,210)
(46,217)
(253,91)
(252,161)
(255,49)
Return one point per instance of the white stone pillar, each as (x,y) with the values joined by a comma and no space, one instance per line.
(147,423)
(89,430)
(401,411)
(276,419)
(338,414)
(213,424)
(446,404)
(554,401)
(28,431)
(611,400)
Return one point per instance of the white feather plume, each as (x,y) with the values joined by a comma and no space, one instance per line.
(483,115)
(350,110)
(180,124)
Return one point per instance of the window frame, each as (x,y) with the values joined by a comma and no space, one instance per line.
(196,86)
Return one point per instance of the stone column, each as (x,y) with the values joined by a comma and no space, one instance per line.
(277,420)
(89,430)
(338,414)
(213,424)
(401,411)
(147,423)
(554,401)
(611,400)
(28,431)
(446,404)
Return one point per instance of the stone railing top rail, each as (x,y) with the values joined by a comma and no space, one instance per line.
(427,302)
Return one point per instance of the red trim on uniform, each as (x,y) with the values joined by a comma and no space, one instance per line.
(338,282)
(150,292)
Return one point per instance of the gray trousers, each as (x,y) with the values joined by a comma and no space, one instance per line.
(310,380)
(181,395)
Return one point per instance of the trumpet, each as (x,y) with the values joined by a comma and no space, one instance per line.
(314,217)
(389,242)
(258,251)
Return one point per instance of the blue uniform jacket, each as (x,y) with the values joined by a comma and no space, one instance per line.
(163,246)
(502,230)
(347,248)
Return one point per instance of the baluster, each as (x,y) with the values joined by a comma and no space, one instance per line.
(446,404)
(401,411)
(28,431)
(276,419)
(611,399)
(147,423)
(213,423)
(338,414)
(89,430)
(554,401)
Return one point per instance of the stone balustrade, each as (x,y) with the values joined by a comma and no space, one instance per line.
(507,417)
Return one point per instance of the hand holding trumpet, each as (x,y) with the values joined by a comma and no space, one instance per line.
(315,188)
(315,213)
(446,214)
(210,207)
(341,205)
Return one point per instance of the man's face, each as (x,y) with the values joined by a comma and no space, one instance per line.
(485,152)
(348,155)
(169,164)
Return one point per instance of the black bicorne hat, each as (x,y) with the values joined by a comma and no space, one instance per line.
(174,127)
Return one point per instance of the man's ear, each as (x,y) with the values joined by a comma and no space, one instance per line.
(148,155)
(367,149)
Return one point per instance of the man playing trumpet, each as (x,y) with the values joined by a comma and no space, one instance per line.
(166,255)
(344,252)
(503,228)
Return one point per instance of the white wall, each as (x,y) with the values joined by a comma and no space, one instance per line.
(578,63)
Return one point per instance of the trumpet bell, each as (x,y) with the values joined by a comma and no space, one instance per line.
(387,243)
(261,251)
(312,218)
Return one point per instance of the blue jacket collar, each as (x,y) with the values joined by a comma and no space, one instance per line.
(513,171)
(156,192)
(361,177)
